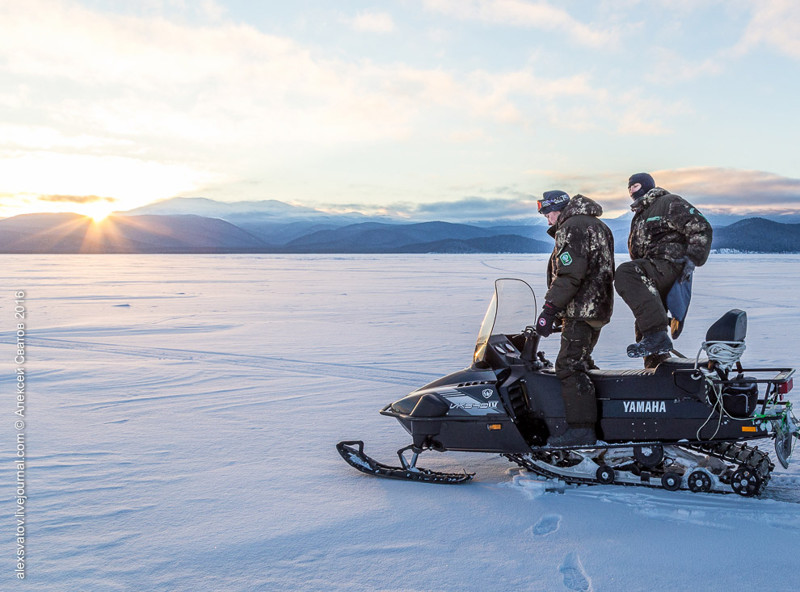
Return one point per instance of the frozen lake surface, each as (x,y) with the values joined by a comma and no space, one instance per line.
(183,410)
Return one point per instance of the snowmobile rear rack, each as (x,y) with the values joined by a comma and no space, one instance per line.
(777,386)
(783,376)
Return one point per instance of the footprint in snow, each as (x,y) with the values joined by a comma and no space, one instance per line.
(574,576)
(547,524)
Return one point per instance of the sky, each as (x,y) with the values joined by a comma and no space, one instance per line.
(414,108)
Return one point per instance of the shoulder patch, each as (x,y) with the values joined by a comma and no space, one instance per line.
(565,258)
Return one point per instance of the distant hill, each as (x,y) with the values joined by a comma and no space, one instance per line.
(385,237)
(282,227)
(268,212)
(71,233)
(210,208)
(184,233)
(425,237)
(502,243)
(758,235)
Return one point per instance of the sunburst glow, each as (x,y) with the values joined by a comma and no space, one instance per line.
(89,185)
(99,213)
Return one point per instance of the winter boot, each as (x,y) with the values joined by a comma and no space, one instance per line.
(655,343)
(574,436)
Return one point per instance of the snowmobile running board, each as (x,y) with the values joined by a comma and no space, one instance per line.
(352,452)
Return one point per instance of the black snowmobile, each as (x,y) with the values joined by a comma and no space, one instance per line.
(686,424)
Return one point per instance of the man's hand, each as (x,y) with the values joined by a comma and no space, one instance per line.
(546,320)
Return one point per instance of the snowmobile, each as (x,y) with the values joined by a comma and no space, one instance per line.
(685,424)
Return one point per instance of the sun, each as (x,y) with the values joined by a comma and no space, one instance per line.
(98,212)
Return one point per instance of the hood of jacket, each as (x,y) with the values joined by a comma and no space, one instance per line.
(648,198)
(579,205)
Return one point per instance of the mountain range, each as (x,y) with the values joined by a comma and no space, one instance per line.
(275,227)
(71,233)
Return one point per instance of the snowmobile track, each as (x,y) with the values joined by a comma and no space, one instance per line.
(742,456)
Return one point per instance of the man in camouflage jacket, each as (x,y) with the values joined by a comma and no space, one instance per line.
(580,277)
(669,237)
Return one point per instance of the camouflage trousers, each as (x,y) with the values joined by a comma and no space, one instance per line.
(574,360)
(644,284)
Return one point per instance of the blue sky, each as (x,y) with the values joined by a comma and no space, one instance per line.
(411,107)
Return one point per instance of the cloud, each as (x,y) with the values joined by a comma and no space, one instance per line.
(478,208)
(123,178)
(150,104)
(499,205)
(775,24)
(372,22)
(39,137)
(712,189)
(157,84)
(77,199)
(642,115)
(520,209)
(224,83)
(733,190)
(519,13)
(671,68)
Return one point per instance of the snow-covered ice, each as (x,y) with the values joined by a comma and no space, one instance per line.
(183,410)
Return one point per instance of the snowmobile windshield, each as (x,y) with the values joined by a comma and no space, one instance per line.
(512,308)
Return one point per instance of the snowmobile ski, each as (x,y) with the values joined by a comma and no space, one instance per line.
(353,452)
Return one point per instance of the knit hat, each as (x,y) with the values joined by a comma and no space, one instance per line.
(647,183)
(552,201)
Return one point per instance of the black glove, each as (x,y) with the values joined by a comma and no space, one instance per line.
(688,269)
(544,324)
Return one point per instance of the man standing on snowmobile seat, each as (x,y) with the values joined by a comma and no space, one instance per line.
(669,237)
(580,276)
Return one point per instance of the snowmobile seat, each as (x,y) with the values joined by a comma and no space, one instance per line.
(682,364)
(673,378)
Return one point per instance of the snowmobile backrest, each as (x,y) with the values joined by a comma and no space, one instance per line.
(732,326)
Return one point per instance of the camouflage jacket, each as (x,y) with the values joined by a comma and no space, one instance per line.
(580,273)
(666,226)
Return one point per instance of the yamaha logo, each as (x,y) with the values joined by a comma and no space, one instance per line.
(645,406)
(487,393)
